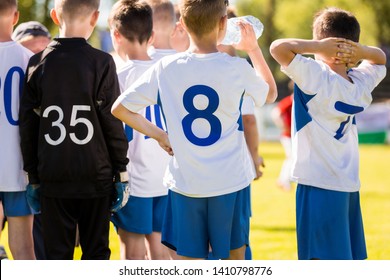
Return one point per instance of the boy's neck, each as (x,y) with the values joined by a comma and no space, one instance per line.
(341,70)
(136,51)
(5,33)
(162,43)
(75,31)
(5,38)
(207,44)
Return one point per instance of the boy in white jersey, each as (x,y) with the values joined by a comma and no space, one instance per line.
(325,143)
(14,59)
(131,26)
(200,92)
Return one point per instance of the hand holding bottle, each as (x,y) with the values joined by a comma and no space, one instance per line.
(233,31)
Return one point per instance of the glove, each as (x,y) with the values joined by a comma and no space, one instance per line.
(121,192)
(33,195)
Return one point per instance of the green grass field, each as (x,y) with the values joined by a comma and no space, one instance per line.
(273,219)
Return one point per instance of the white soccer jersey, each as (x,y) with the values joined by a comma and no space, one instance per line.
(325,139)
(13,62)
(200,95)
(157,54)
(147,161)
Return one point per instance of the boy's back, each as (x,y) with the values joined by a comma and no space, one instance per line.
(203,118)
(14,59)
(200,92)
(74,150)
(325,105)
(147,160)
(327,97)
(69,80)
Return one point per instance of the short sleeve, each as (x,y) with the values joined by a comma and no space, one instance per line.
(248,106)
(255,86)
(143,92)
(307,73)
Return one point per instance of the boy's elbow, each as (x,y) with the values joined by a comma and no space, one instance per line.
(272,95)
(383,58)
(116,110)
(275,49)
(281,52)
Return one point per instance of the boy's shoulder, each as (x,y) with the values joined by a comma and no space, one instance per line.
(133,64)
(13,53)
(14,47)
(79,49)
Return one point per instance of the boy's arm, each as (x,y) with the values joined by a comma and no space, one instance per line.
(139,123)
(337,49)
(252,140)
(112,128)
(263,70)
(250,46)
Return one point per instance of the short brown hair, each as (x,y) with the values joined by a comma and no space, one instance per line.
(133,19)
(201,16)
(7,4)
(335,22)
(164,14)
(76,8)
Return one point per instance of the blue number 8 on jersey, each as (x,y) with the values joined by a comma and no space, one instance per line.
(207,114)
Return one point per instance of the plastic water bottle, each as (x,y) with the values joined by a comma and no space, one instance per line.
(233,32)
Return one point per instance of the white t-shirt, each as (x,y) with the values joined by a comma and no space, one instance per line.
(157,54)
(147,160)
(13,62)
(200,96)
(324,134)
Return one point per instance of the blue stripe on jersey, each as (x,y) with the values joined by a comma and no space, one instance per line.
(162,110)
(157,116)
(301,112)
(339,132)
(354,120)
(129,133)
(347,108)
(240,125)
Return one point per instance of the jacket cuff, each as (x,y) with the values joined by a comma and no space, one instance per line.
(33,178)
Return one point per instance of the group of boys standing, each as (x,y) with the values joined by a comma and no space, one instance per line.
(183,146)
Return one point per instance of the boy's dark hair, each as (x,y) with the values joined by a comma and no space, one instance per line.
(7,4)
(335,22)
(201,16)
(77,8)
(133,19)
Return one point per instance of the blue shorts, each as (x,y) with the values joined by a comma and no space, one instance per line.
(15,204)
(329,225)
(142,215)
(192,224)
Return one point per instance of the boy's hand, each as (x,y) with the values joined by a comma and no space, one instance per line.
(33,195)
(339,50)
(164,143)
(259,163)
(248,41)
(121,191)
(357,53)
